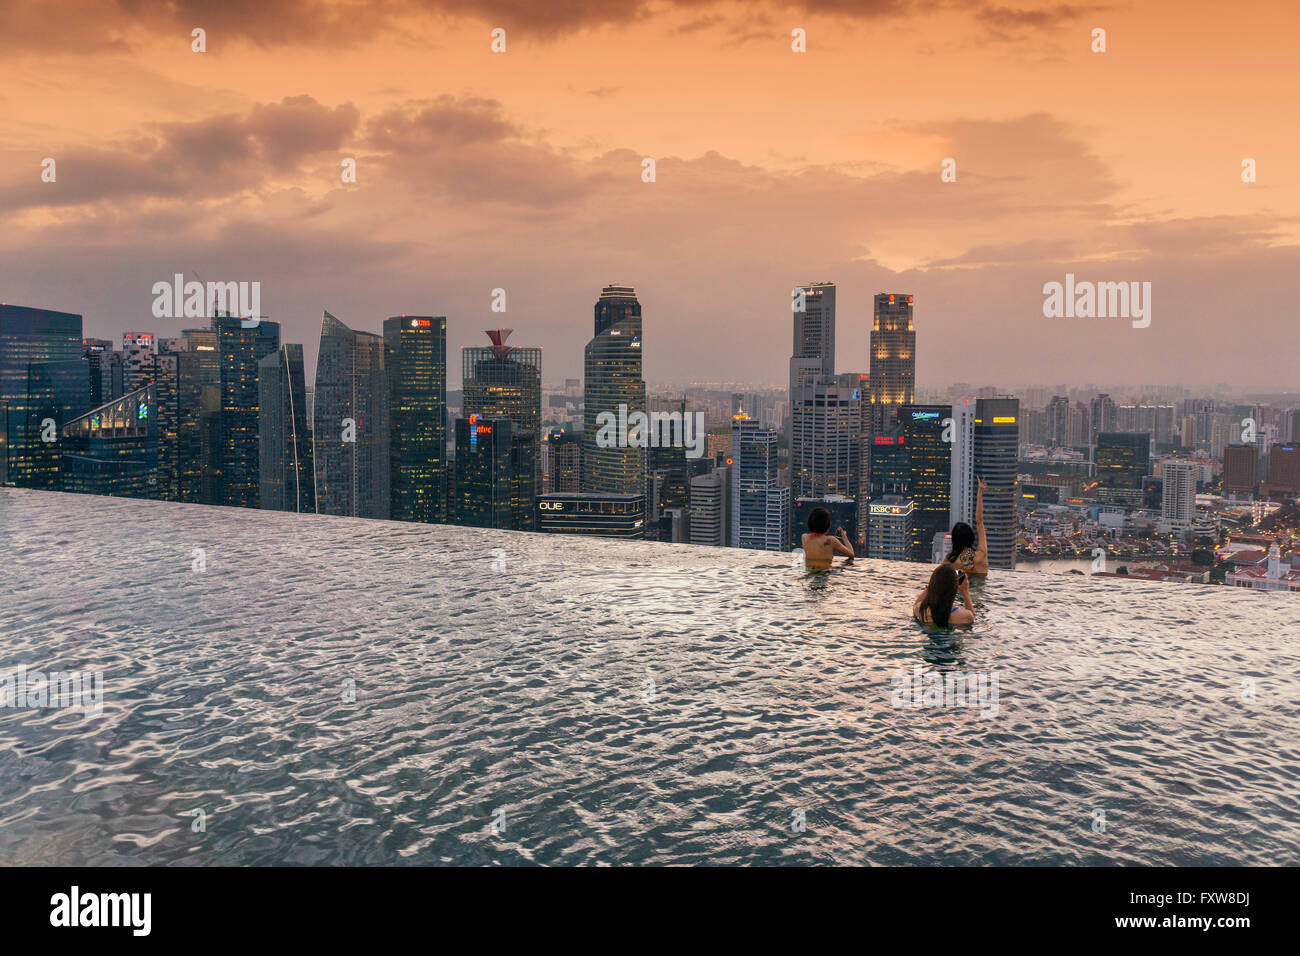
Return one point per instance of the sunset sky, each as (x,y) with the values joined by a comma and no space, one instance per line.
(522,170)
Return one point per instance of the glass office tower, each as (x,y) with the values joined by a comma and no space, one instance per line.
(929,482)
(487,474)
(997,445)
(239,351)
(612,365)
(287,478)
(350,430)
(415,360)
(113,449)
(45,383)
(1123,460)
(504,381)
(893,359)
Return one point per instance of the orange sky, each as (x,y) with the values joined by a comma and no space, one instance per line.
(522,170)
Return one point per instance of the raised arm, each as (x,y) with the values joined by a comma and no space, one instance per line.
(982,538)
(840,544)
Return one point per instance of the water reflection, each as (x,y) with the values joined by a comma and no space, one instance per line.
(342,691)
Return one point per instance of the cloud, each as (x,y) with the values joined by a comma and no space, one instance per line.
(114,26)
(456,196)
(216,156)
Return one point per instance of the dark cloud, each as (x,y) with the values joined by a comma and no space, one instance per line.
(217,156)
(97,26)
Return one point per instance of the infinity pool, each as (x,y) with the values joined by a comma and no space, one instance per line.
(285,689)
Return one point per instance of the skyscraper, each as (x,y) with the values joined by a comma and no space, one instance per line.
(106,381)
(113,449)
(239,349)
(415,360)
(760,506)
(997,436)
(505,381)
(45,382)
(564,462)
(350,431)
(812,357)
(200,400)
(287,479)
(162,371)
(825,438)
(137,347)
(612,368)
(1123,459)
(893,359)
(1178,494)
(963,488)
(486,472)
(1101,416)
(929,484)
(892,534)
(890,465)
(710,513)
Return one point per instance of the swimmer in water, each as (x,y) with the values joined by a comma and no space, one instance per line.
(819,548)
(938,604)
(970,549)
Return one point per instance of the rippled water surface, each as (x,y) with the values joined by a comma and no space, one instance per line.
(613,702)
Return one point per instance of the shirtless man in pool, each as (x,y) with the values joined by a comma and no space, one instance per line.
(819,548)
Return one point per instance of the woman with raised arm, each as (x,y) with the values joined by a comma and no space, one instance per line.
(970,548)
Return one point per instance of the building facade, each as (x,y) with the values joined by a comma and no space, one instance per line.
(613,381)
(350,424)
(240,348)
(287,477)
(415,363)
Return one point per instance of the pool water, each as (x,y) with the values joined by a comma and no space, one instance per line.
(290,689)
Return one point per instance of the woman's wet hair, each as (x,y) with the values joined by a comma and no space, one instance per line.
(963,537)
(940,594)
(819,521)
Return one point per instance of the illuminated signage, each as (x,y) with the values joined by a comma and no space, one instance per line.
(1004,419)
(551,505)
(420,323)
(142,411)
(484,429)
(883,440)
(921,416)
(891,509)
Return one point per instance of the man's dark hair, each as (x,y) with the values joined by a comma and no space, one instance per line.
(819,521)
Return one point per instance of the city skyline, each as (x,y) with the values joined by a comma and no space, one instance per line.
(225,164)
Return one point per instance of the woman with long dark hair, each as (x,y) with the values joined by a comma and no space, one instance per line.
(937,604)
(970,548)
